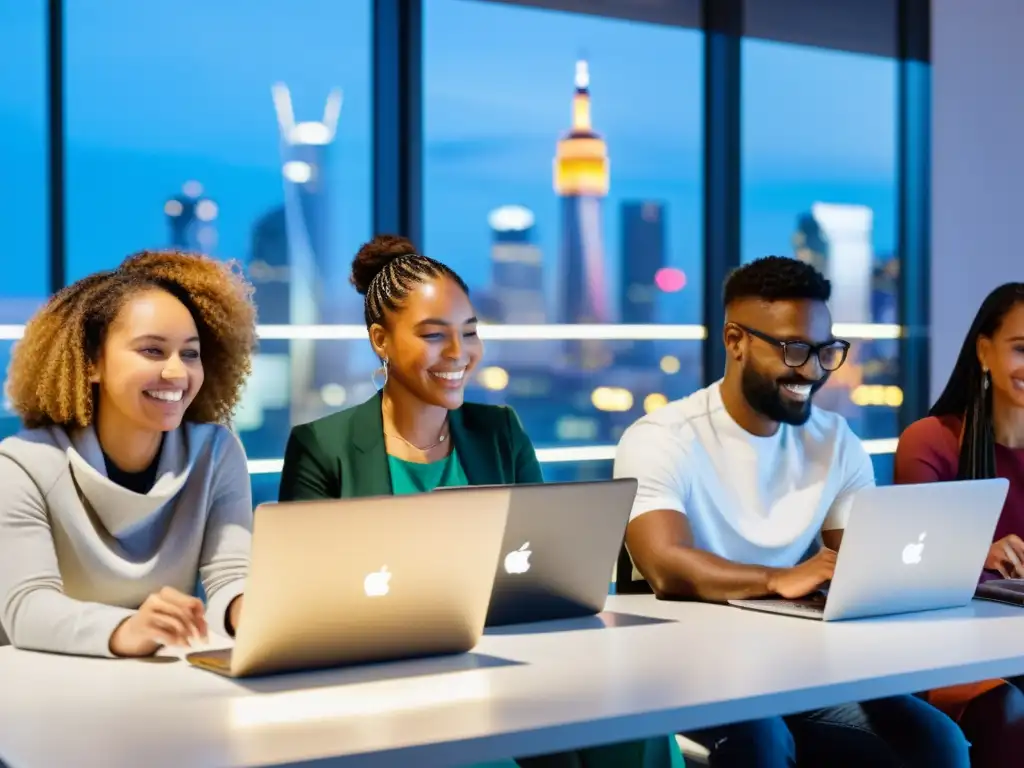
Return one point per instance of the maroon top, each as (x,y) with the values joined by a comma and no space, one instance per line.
(929,452)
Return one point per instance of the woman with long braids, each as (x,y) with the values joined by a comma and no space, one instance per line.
(974,431)
(417,433)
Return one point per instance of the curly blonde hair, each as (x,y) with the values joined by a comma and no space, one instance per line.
(48,379)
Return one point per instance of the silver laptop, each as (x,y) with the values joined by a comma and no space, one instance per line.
(360,580)
(905,548)
(561,544)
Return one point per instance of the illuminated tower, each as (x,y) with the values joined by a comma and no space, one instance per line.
(191,219)
(318,279)
(581,180)
(849,261)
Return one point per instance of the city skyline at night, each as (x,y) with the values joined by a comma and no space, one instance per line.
(161,96)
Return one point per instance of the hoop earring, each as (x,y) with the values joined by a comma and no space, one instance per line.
(384,363)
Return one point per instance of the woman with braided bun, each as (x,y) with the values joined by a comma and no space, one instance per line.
(417,433)
(126,483)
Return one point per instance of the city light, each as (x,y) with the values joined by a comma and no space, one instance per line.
(510,218)
(297,171)
(493,378)
(877,395)
(311,133)
(654,401)
(333,395)
(670,364)
(192,189)
(206,210)
(173,208)
(613,399)
(670,279)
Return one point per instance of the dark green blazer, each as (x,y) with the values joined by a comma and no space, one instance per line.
(343,455)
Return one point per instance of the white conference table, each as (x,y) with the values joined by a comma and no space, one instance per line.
(532,690)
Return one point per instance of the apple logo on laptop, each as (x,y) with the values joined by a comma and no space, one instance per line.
(912,552)
(376,584)
(518,560)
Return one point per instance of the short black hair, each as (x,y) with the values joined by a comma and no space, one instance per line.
(776,278)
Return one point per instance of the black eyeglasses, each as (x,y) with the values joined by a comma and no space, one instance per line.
(831,355)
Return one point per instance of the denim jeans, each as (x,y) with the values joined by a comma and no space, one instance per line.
(896,732)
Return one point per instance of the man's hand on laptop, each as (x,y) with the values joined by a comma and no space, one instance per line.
(801,580)
(1006,556)
(167,617)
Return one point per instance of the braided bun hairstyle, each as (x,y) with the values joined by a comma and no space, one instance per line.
(387,269)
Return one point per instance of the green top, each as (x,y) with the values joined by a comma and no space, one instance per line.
(410,477)
(343,455)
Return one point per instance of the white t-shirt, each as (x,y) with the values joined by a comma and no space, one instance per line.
(749,499)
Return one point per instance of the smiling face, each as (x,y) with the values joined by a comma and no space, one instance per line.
(1003,355)
(431,343)
(149,369)
(776,391)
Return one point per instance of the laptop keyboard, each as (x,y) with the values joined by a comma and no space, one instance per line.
(813,605)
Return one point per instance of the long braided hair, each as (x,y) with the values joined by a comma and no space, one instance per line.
(968,393)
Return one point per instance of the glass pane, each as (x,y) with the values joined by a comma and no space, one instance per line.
(563,179)
(820,184)
(23,140)
(243,130)
(208,125)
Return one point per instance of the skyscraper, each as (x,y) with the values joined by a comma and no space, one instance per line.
(265,411)
(191,220)
(518,271)
(318,279)
(846,233)
(581,179)
(643,254)
(270,274)
(518,280)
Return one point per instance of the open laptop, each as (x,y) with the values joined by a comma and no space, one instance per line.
(359,580)
(906,548)
(561,544)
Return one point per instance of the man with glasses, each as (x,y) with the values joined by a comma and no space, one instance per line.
(744,490)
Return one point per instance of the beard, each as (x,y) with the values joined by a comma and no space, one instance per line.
(764,396)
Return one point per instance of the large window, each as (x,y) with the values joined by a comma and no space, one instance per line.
(562,176)
(23,192)
(562,179)
(241,129)
(819,176)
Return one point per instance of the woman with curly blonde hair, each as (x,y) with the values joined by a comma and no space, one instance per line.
(126,481)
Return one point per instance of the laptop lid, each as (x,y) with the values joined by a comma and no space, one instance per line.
(358,580)
(914,547)
(561,544)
